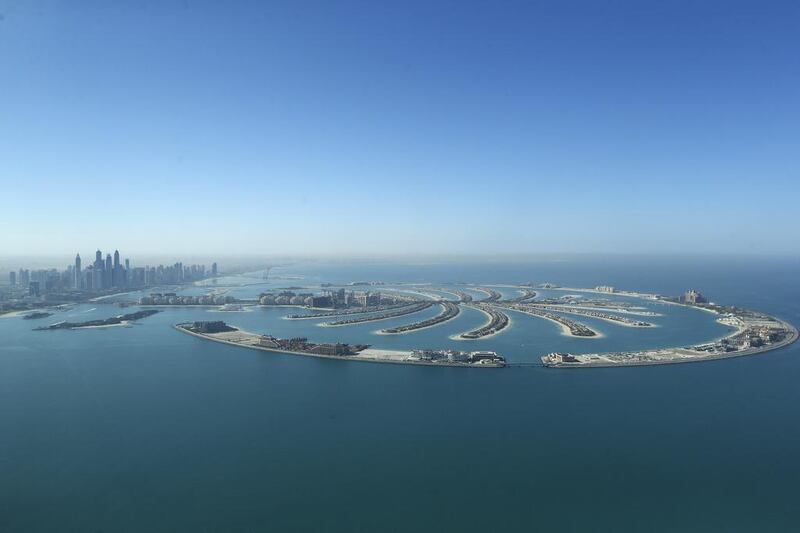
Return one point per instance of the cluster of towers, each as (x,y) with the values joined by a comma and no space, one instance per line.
(106,274)
(102,274)
(111,273)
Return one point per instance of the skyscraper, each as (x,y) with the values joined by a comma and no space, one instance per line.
(97,277)
(107,271)
(77,272)
(12,278)
(116,274)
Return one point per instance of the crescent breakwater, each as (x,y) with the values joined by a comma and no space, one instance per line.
(232,335)
(754,333)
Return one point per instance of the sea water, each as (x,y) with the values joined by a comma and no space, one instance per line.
(144,428)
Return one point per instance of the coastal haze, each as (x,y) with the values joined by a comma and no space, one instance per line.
(426,266)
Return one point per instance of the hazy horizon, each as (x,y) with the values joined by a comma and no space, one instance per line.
(419,128)
(238,263)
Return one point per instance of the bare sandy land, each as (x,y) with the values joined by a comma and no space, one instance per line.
(12,314)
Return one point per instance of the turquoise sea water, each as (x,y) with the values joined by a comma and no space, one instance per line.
(147,429)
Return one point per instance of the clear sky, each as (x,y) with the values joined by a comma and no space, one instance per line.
(374,127)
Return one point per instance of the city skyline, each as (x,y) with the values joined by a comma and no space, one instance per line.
(104,274)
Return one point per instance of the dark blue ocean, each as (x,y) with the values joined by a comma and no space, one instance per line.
(147,429)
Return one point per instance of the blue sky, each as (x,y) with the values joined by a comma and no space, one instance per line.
(377,127)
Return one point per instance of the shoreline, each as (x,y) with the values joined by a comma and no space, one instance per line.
(126,323)
(14,314)
(679,354)
(689,356)
(356,357)
(101,299)
(23,312)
